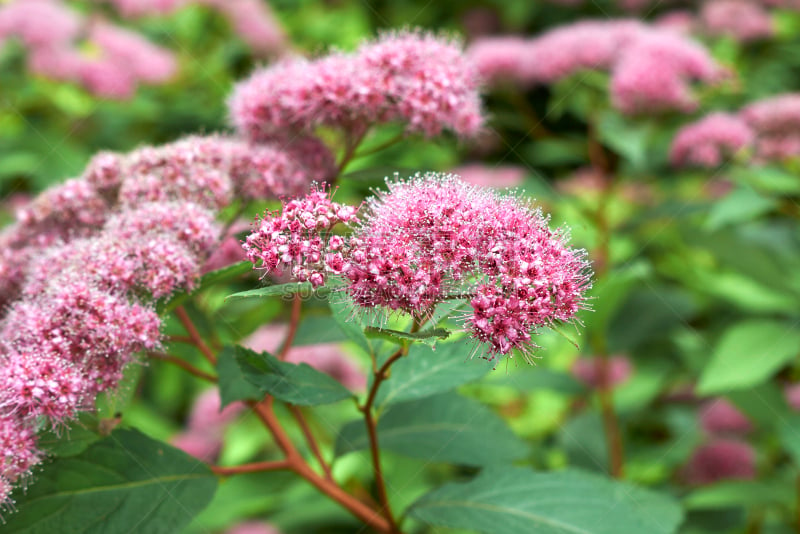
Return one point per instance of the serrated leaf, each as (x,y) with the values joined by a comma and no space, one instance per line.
(124,483)
(398,336)
(510,500)
(747,354)
(298,384)
(233,386)
(283,290)
(425,372)
(443,428)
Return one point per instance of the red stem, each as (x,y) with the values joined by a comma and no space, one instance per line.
(194,335)
(183,364)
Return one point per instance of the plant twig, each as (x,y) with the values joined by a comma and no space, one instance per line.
(380,375)
(194,335)
(275,465)
(298,415)
(616,456)
(183,364)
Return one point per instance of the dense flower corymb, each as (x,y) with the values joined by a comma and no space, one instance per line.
(429,239)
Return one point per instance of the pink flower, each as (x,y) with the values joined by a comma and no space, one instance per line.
(653,75)
(207,414)
(502,176)
(706,142)
(143,60)
(720,459)
(503,59)
(254,23)
(253,527)
(741,19)
(137,8)
(792,393)
(590,371)
(592,45)
(203,446)
(411,77)
(720,416)
(18,451)
(297,238)
(434,235)
(39,23)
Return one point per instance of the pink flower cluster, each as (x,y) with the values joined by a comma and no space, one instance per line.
(56,37)
(298,239)
(776,121)
(724,455)
(770,127)
(251,20)
(80,267)
(651,68)
(421,80)
(707,142)
(744,20)
(431,238)
(206,426)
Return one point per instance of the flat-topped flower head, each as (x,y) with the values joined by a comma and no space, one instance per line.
(434,236)
(707,142)
(421,80)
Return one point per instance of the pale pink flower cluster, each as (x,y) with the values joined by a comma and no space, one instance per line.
(720,417)
(298,239)
(653,74)
(500,176)
(744,20)
(204,432)
(431,238)
(55,37)
(707,142)
(80,267)
(651,68)
(411,77)
(251,20)
(776,121)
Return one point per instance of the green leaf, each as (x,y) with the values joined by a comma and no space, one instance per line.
(233,386)
(534,378)
(298,384)
(425,372)
(741,205)
(747,354)
(736,493)
(554,152)
(510,500)
(304,289)
(428,336)
(345,317)
(790,436)
(443,428)
(628,138)
(125,483)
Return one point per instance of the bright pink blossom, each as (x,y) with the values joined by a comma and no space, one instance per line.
(298,238)
(18,452)
(503,59)
(706,142)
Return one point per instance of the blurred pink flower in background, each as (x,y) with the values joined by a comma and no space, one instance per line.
(501,176)
(792,393)
(253,527)
(206,425)
(743,20)
(720,459)
(589,370)
(719,417)
(707,142)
